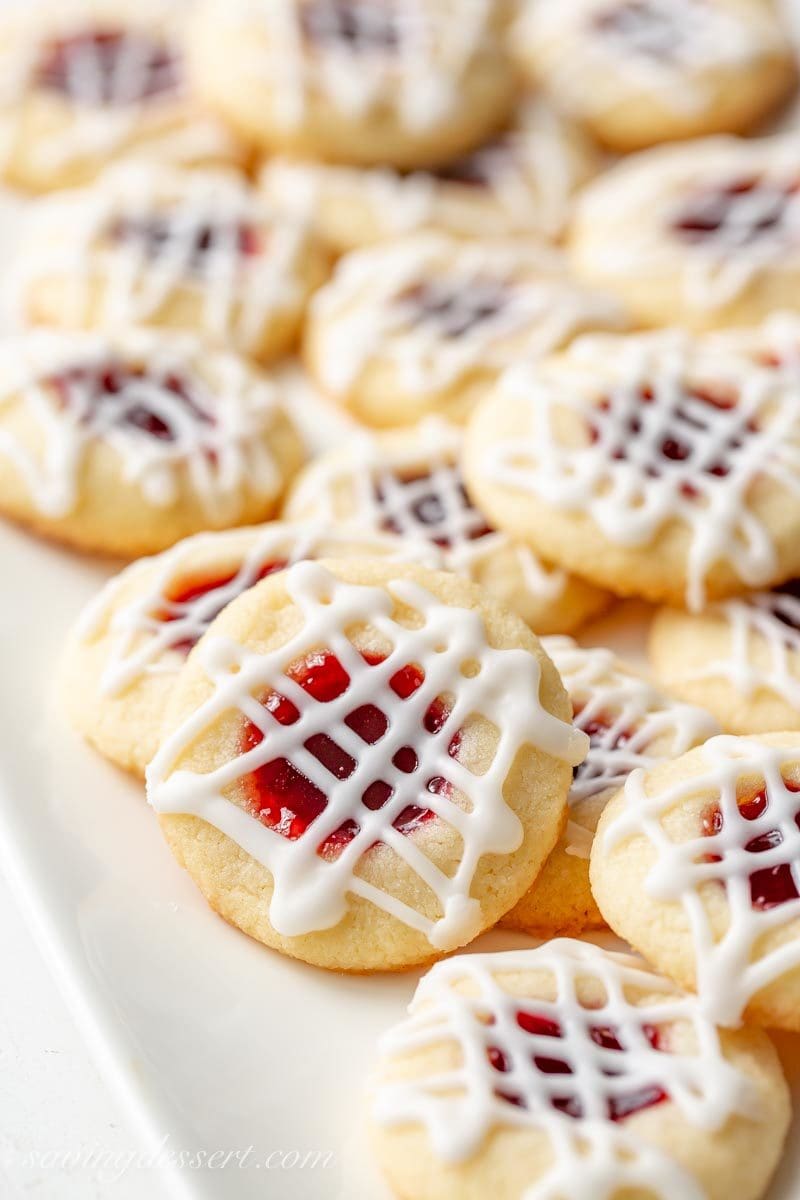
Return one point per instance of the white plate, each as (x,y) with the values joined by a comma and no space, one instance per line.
(212,1040)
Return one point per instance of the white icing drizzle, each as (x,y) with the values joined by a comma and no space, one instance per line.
(464,1002)
(366,462)
(528,177)
(668,48)
(419,78)
(489,304)
(612,475)
(147,627)
(311,892)
(71,235)
(637,205)
(166,126)
(218,445)
(632,716)
(731,963)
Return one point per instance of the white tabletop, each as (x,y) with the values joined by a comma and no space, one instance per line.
(55,1110)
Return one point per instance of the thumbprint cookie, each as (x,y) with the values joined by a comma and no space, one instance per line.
(365,763)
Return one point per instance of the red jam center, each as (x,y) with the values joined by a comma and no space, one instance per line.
(454,311)
(689,435)
(183,597)
(287,801)
(481,168)
(786,616)
(601,744)
(741,211)
(619,1106)
(192,246)
(108,67)
(643,27)
(769,886)
(360,26)
(429,504)
(125,396)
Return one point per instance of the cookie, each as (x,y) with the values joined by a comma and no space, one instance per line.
(639,72)
(630,724)
(409,482)
(566,1071)
(124,443)
(125,653)
(354,81)
(521,182)
(87,84)
(425,324)
(701,235)
(365,763)
(739,658)
(697,864)
(652,465)
(190,250)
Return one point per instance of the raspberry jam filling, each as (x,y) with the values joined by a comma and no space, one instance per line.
(192,246)
(183,596)
(479,169)
(741,211)
(691,435)
(787,617)
(117,395)
(108,67)
(769,886)
(360,26)
(286,800)
(429,504)
(598,729)
(451,310)
(607,1037)
(644,27)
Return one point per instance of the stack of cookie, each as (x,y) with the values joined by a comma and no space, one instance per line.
(559,377)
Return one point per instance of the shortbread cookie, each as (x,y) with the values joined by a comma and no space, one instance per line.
(568,1073)
(124,443)
(126,651)
(630,724)
(87,83)
(521,182)
(424,324)
(702,235)
(653,465)
(175,249)
(405,82)
(739,658)
(639,72)
(368,763)
(697,864)
(409,482)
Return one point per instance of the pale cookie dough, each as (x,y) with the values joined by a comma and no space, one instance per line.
(409,482)
(639,72)
(126,651)
(697,864)
(654,465)
(739,658)
(87,83)
(520,183)
(404,82)
(125,442)
(365,764)
(630,724)
(196,250)
(705,235)
(567,1072)
(425,324)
